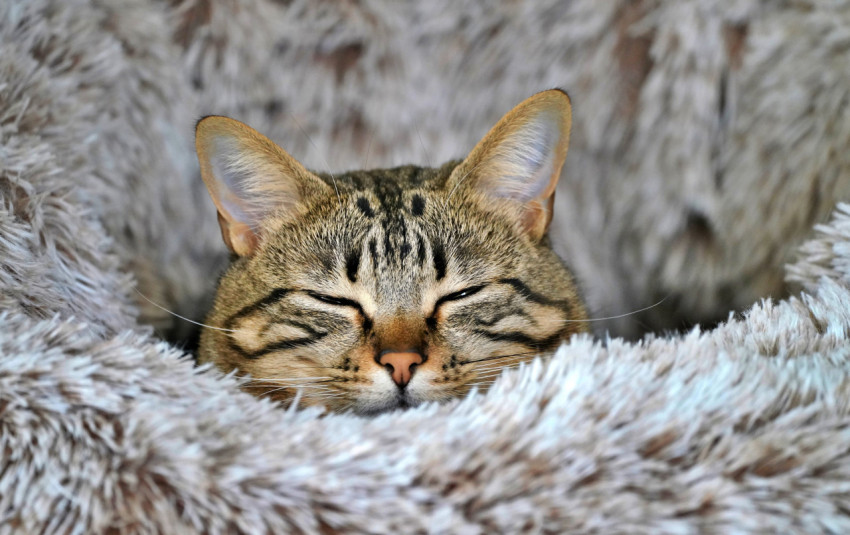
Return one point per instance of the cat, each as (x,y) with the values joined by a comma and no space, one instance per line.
(376,290)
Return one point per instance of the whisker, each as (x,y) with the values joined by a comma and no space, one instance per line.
(303,390)
(498,368)
(328,396)
(368,149)
(484,381)
(508,357)
(488,377)
(371,138)
(294,387)
(309,368)
(620,315)
(286,385)
(487,373)
(323,396)
(495,357)
(258,379)
(325,161)
(294,383)
(182,317)
(482,384)
(274,390)
(421,144)
(474,167)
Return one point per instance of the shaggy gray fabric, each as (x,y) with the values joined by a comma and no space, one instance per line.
(709,138)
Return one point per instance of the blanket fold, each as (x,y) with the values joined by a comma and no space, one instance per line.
(105,427)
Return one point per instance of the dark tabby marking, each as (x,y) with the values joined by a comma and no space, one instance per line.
(373,253)
(459,279)
(352,265)
(276,295)
(365,207)
(439,260)
(420,250)
(417,205)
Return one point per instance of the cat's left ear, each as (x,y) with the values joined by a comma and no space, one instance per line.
(518,163)
(251,180)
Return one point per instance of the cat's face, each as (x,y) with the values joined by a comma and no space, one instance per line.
(374,290)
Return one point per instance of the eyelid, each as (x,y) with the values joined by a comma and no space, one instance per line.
(460,294)
(333,300)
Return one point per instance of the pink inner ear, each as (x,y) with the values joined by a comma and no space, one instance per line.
(233,179)
(249,178)
(250,183)
(234,207)
(537,216)
(541,153)
(521,165)
(238,237)
(520,160)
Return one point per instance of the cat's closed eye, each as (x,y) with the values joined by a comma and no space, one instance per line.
(460,294)
(444,278)
(332,300)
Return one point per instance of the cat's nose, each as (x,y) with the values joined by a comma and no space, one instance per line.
(401,365)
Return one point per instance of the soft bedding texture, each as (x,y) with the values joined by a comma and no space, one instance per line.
(709,149)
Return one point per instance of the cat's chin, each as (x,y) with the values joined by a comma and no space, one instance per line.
(400,401)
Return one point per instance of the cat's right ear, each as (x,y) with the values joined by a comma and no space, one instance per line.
(516,167)
(249,179)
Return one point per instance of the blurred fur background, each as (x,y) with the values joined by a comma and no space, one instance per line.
(709,137)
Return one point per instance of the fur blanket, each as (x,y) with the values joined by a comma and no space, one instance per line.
(709,138)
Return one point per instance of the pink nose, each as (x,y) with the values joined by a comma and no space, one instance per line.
(400,365)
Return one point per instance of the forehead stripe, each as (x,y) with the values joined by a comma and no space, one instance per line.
(352,265)
(365,207)
(417,205)
(373,252)
(439,259)
(420,250)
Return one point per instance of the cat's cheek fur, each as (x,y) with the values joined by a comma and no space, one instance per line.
(422,389)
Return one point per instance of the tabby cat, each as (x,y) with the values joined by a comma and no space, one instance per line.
(374,290)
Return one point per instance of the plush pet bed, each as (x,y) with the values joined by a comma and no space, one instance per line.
(710,146)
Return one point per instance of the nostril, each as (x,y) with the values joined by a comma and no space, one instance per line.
(400,365)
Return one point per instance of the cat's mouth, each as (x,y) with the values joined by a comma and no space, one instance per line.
(401,401)
(404,402)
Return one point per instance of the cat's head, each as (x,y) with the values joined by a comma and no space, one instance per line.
(373,290)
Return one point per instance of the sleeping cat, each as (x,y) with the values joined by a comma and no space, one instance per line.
(374,290)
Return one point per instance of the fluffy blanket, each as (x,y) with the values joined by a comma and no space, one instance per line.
(709,139)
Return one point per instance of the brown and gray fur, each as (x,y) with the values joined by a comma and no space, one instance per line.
(450,265)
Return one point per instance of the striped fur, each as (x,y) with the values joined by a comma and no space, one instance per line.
(435,260)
